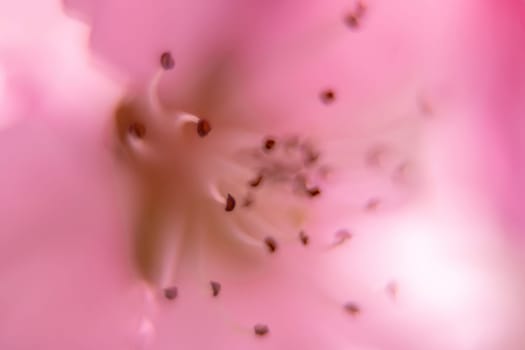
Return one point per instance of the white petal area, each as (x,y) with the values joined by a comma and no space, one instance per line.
(67,281)
(45,63)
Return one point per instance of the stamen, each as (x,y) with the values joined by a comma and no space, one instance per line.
(310,157)
(313,192)
(171,292)
(327,96)
(425,107)
(261,329)
(392,289)
(146,331)
(400,174)
(301,184)
(215,288)
(203,127)
(360,9)
(341,236)
(269,144)
(257,181)
(166,61)
(352,20)
(187,118)
(291,142)
(243,236)
(230,203)
(352,308)
(248,201)
(376,156)
(372,204)
(137,130)
(304,238)
(271,244)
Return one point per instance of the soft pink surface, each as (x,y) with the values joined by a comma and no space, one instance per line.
(67,281)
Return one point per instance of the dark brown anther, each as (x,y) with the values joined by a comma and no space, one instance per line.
(203,127)
(215,288)
(327,96)
(269,144)
(166,61)
(313,192)
(353,19)
(230,203)
(271,244)
(352,308)
(137,130)
(171,293)
(256,182)
(304,238)
(261,329)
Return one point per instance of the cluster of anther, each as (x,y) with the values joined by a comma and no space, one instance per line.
(288,162)
(171,293)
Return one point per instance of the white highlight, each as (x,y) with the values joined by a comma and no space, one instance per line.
(146,332)
(215,194)
(5,113)
(153,94)
(182,118)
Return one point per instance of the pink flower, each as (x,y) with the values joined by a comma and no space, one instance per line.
(245,174)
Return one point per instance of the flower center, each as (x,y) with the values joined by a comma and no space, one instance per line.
(237,184)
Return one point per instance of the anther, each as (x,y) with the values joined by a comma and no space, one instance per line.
(352,20)
(341,236)
(327,96)
(269,144)
(304,238)
(166,61)
(230,203)
(203,127)
(352,308)
(372,204)
(376,156)
(400,174)
(256,182)
(171,293)
(271,244)
(392,289)
(360,9)
(215,288)
(137,129)
(313,192)
(291,142)
(425,107)
(310,157)
(261,329)
(248,201)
